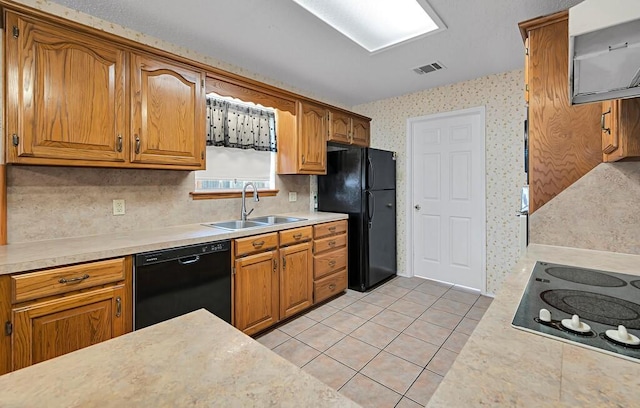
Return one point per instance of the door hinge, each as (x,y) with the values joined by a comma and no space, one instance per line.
(233,271)
(16,32)
(8,328)
(202,155)
(15,139)
(526,51)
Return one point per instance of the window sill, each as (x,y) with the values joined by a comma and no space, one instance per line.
(216,195)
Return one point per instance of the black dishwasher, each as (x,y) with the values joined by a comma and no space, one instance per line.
(172,282)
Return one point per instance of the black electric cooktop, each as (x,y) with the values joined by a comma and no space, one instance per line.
(603,301)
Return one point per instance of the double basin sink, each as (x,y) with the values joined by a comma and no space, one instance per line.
(254,222)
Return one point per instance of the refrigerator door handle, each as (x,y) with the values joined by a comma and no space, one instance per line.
(372,173)
(371,209)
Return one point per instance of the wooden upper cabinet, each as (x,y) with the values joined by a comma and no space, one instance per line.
(312,137)
(564,141)
(360,132)
(65,96)
(340,129)
(167,113)
(620,129)
(348,129)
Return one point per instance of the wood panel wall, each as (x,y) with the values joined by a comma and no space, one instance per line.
(564,140)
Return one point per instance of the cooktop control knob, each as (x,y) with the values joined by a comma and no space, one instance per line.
(544,315)
(623,336)
(576,325)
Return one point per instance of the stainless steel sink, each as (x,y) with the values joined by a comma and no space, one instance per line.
(275,219)
(236,225)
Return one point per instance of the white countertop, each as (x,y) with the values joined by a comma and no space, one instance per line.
(43,254)
(194,360)
(503,366)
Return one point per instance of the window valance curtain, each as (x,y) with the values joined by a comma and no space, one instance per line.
(244,127)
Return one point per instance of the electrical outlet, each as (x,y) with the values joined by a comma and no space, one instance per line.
(293,196)
(118,207)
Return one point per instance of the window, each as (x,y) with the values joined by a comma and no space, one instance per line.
(241,145)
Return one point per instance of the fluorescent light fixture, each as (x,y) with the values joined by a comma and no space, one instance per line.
(377,24)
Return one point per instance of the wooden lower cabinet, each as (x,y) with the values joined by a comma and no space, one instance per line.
(256,292)
(48,329)
(296,279)
(329,260)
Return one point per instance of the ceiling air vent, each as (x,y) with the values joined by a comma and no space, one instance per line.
(435,66)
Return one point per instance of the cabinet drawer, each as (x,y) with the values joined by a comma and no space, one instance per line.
(296,235)
(327,244)
(328,263)
(35,285)
(329,286)
(329,228)
(256,243)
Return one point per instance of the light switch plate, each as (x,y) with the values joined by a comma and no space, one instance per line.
(293,196)
(118,207)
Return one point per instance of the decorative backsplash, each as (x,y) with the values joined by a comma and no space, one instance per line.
(59,202)
(599,211)
(501,94)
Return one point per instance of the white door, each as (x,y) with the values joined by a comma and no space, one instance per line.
(447,197)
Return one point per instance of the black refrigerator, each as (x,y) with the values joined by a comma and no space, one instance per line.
(361,182)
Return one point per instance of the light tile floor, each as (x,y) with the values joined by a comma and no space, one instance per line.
(387,348)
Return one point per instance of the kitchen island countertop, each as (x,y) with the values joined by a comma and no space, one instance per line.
(194,360)
(21,257)
(503,366)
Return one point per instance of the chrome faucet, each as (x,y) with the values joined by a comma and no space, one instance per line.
(244,213)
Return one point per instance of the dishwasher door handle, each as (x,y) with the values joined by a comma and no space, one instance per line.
(194,259)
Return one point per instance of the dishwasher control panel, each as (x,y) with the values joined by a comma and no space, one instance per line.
(149,258)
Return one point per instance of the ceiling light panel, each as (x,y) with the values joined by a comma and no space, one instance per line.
(376,24)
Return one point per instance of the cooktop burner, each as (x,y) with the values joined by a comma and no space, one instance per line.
(603,301)
(585,276)
(594,306)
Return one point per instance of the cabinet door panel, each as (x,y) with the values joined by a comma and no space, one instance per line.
(52,328)
(313,142)
(66,95)
(360,132)
(296,279)
(256,292)
(167,125)
(340,130)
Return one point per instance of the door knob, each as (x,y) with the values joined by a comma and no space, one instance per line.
(417,207)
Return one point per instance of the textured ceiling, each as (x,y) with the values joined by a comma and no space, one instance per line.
(282,41)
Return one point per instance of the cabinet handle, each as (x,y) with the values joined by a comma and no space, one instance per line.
(76,279)
(605,130)
(284,263)
(332,263)
(297,236)
(332,229)
(332,287)
(137,144)
(275,265)
(332,243)
(118,306)
(303,160)
(119,143)
(257,244)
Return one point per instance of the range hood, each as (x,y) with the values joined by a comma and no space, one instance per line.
(604,50)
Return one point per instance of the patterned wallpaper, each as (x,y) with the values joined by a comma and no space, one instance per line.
(502,96)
